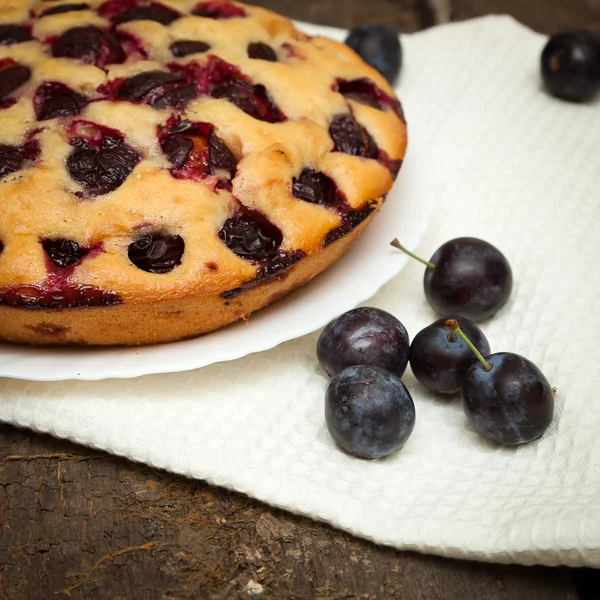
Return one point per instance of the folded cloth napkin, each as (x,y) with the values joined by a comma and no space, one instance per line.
(514,167)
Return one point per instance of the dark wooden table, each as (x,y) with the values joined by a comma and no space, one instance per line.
(81,524)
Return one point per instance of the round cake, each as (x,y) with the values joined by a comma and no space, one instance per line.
(167,168)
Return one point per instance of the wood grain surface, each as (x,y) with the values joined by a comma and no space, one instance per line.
(85,525)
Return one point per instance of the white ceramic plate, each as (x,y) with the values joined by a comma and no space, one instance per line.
(371,263)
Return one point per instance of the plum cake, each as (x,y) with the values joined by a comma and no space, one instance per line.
(167,168)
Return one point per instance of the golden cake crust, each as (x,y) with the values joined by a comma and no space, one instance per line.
(42,200)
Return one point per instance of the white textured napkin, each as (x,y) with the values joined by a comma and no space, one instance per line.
(516,168)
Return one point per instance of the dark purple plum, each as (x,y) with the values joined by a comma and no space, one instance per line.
(159,89)
(101,168)
(90,45)
(64,8)
(9,161)
(252,99)
(14,34)
(53,99)
(570,65)
(154,12)
(379,46)
(135,88)
(506,398)
(251,235)
(196,149)
(12,77)
(466,276)
(350,137)
(186,47)
(157,252)
(261,51)
(218,9)
(315,187)
(178,96)
(220,157)
(14,158)
(439,358)
(510,404)
(177,149)
(361,90)
(364,336)
(64,253)
(471,277)
(365,91)
(368,411)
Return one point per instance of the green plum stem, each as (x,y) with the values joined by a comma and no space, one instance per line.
(454,327)
(398,245)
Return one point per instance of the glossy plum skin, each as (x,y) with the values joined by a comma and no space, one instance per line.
(368,411)
(262,51)
(350,137)
(511,404)
(471,278)
(63,253)
(54,100)
(439,359)
(101,169)
(378,45)
(251,235)
(364,336)
(570,65)
(315,187)
(186,47)
(157,253)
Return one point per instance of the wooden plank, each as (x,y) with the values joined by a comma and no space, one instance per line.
(405,15)
(547,16)
(81,524)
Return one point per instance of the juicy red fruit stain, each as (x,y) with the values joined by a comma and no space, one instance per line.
(219,79)
(112,8)
(68,295)
(217,9)
(57,292)
(366,92)
(196,151)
